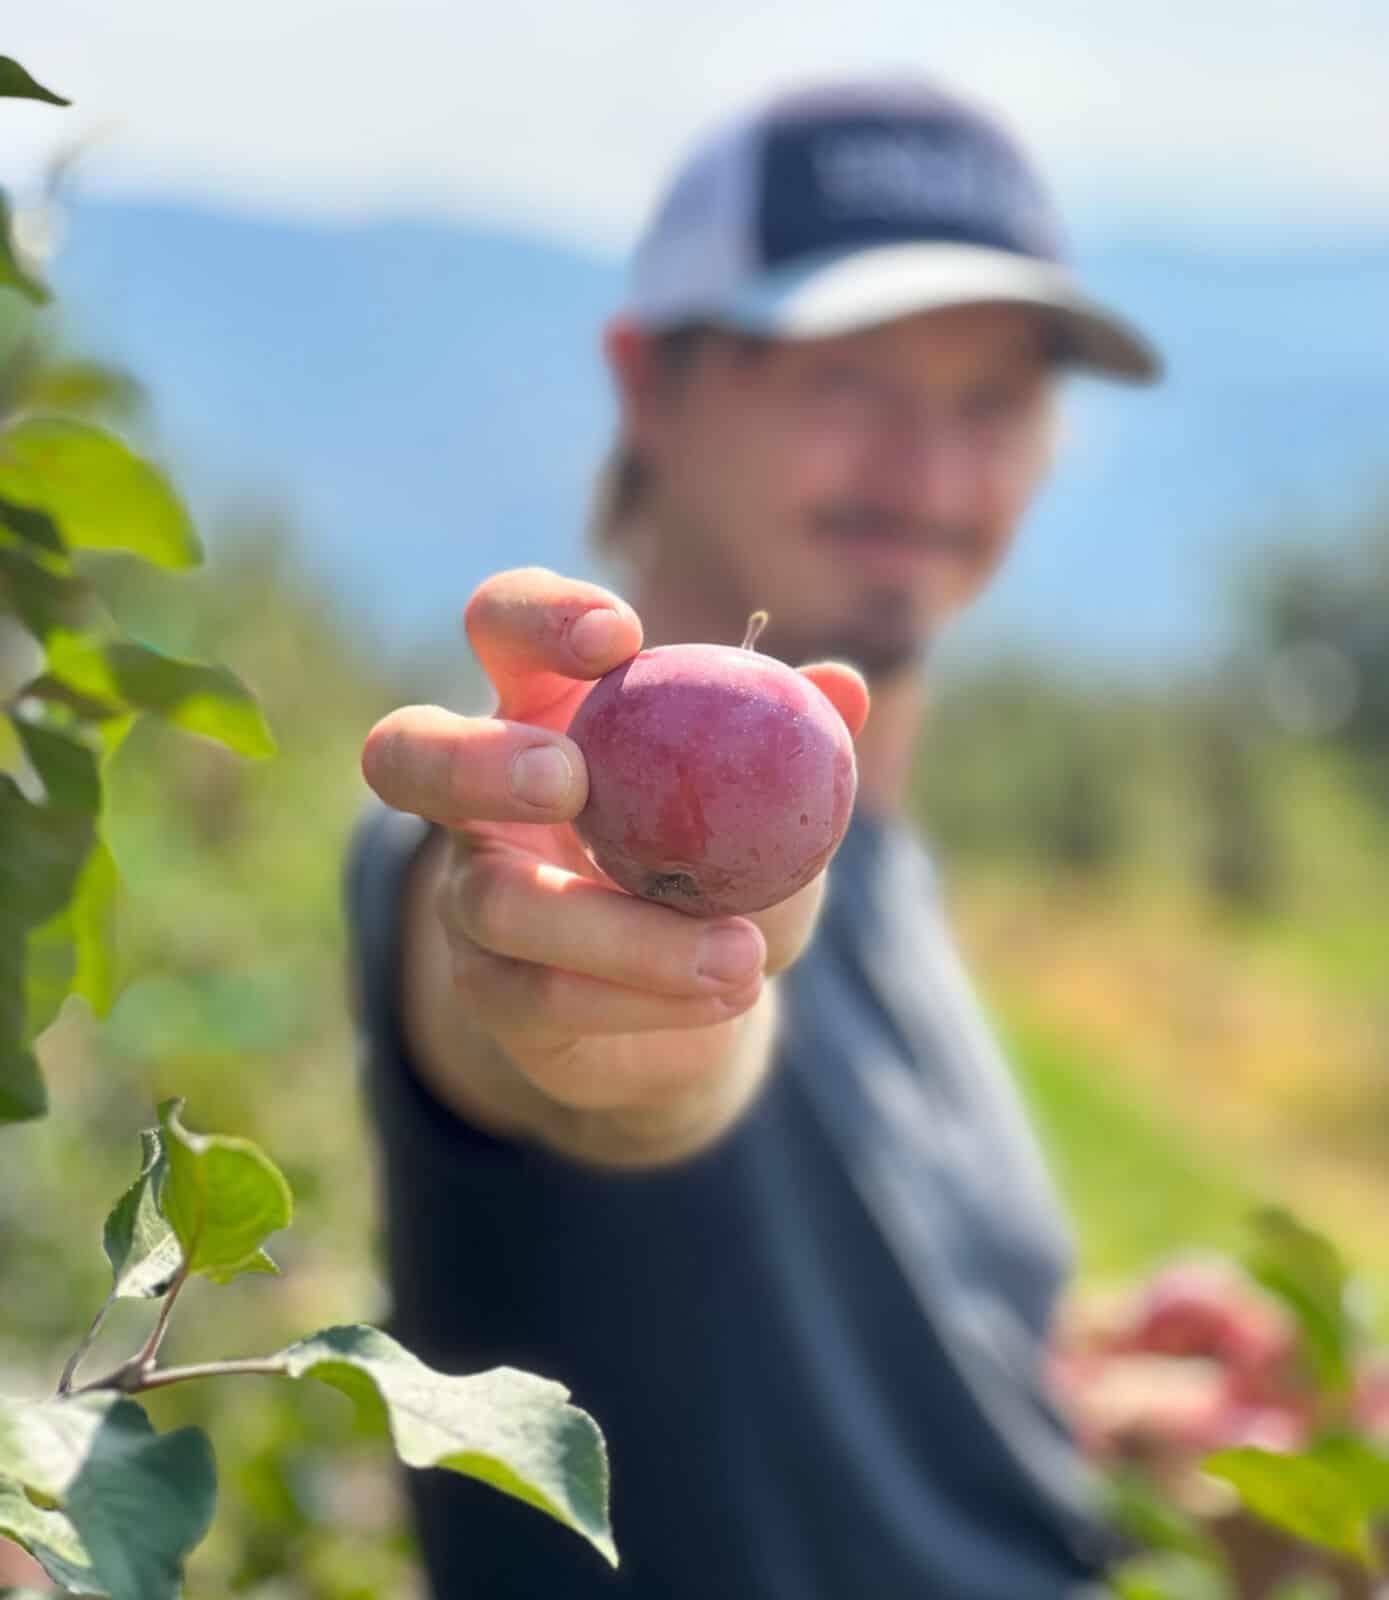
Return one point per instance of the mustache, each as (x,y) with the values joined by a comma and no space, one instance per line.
(859,520)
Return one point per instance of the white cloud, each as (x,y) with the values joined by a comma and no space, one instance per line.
(563,116)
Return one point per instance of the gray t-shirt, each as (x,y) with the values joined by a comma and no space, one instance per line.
(814,1349)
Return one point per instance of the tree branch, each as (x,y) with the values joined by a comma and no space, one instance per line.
(144,1356)
(133,1372)
(266,1366)
(129,1380)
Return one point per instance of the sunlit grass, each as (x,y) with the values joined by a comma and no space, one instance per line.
(1138,1184)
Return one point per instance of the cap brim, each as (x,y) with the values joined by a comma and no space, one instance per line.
(846,290)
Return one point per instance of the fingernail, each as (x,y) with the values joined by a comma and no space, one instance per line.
(541,776)
(592,636)
(727,955)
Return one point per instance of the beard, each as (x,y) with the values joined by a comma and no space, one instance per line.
(887,634)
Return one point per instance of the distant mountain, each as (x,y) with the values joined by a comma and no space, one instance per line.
(429,399)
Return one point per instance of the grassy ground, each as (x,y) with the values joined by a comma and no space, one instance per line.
(1138,1184)
(1182,1067)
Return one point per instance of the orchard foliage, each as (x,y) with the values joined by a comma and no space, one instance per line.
(1241,1417)
(72,682)
(109,1507)
(105,1504)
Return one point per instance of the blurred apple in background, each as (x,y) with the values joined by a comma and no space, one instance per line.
(1195,1359)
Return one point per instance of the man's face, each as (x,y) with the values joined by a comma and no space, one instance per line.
(861,488)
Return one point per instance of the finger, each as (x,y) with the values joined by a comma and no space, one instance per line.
(517,1000)
(456,770)
(536,633)
(844,689)
(534,911)
(787,927)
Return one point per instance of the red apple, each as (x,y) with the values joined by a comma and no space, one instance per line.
(1209,1308)
(1371,1399)
(720,780)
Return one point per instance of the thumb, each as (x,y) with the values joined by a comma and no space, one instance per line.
(844,689)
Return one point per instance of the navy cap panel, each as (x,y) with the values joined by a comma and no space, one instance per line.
(872,178)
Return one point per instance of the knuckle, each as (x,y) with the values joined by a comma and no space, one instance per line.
(381,750)
(483,606)
(496,597)
(495,989)
(485,905)
(447,898)
(469,977)
(725,1009)
(546,992)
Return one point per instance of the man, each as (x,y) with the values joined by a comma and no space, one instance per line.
(758,1190)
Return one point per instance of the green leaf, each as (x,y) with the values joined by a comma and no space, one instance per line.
(42,599)
(22,1094)
(141,1502)
(138,1501)
(141,1246)
(16,84)
(42,852)
(21,657)
(74,952)
(82,387)
(33,527)
(69,767)
(46,845)
(13,761)
(111,734)
(1306,1272)
(1169,1575)
(1363,1469)
(90,917)
(29,1594)
(14,274)
(1307,1587)
(511,1429)
(50,1538)
(1300,1494)
(203,699)
(199,698)
(98,492)
(1154,1520)
(222,1196)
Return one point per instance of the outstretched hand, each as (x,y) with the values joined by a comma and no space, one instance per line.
(563,970)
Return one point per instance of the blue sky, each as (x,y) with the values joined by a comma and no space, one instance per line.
(559,116)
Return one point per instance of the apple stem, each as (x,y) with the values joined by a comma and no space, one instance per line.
(756,622)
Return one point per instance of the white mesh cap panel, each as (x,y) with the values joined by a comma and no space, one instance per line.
(699,244)
(704,252)
(701,241)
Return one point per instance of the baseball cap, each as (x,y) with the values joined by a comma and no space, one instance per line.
(837,206)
